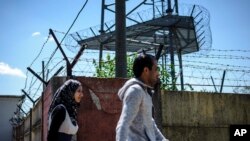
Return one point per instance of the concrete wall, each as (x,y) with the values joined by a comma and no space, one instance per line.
(8,105)
(188,116)
(36,122)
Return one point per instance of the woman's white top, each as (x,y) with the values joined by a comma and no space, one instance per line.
(67,126)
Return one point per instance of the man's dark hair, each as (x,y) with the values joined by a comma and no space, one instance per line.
(142,61)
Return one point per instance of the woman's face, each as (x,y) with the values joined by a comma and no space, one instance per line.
(78,94)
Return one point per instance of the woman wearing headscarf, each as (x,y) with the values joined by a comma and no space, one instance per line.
(63,111)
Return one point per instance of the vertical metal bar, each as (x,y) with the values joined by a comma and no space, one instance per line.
(222,81)
(153,9)
(43,74)
(102,31)
(164,67)
(120,50)
(172,57)
(169,10)
(214,84)
(162,7)
(181,70)
(30,137)
(100,55)
(102,16)
(176,7)
(42,118)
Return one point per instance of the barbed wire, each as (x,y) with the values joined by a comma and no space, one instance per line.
(218,64)
(39,53)
(227,50)
(210,85)
(226,79)
(34,81)
(212,68)
(199,71)
(218,56)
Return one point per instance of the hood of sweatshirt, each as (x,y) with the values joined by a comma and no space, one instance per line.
(129,83)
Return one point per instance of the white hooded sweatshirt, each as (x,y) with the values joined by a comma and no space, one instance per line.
(136,122)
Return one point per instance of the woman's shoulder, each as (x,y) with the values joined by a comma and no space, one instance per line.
(59,108)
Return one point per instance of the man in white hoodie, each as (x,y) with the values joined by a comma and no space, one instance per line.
(136,122)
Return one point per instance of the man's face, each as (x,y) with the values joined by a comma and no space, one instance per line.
(153,74)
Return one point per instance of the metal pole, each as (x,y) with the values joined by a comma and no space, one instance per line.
(158,54)
(29,97)
(58,71)
(102,16)
(169,10)
(222,81)
(100,55)
(30,124)
(58,45)
(176,7)
(153,9)
(181,70)
(38,77)
(172,58)
(120,50)
(78,55)
(102,31)
(42,118)
(22,109)
(69,69)
(214,84)
(43,74)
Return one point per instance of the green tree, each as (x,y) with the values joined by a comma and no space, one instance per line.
(106,69)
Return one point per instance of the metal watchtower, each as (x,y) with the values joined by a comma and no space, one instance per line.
(180,29)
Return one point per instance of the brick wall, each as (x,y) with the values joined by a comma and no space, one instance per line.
(99,111)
